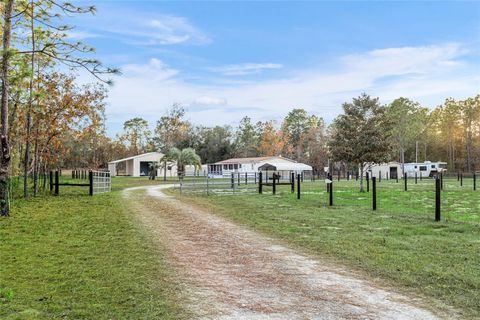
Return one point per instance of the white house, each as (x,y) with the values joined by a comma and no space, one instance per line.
(256,164)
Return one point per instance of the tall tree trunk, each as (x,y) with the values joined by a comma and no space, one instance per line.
(36,165)
(30,106)
(5,147)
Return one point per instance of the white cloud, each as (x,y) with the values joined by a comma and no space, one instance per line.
(209,101)
(427,74)
(246,68)
(167,29)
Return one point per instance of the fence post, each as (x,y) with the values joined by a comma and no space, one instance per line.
(367,179)
(396,177)
(461,179)
(330,195)
(298,186)
(415,177)
(374,193)
(379,177)
(233,181)
(246,178)
(255,177)
(437,199)
(56,183)
(458,176)
(292,181)
(238,178)
(51,180)
(260,182)
(405,180)
(274,185)
(421,176)
(73,174)
(90,182)
(474,181)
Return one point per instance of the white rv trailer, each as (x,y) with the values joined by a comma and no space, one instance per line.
(425,169)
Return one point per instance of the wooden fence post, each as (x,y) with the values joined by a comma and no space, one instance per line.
(330,194)
(437,199)
(274,184)
(415,177)
(260,182)
(405,180)
(292,181)
(56,184)
(461,179)
(374,193)
(233,181)
(246,178)
(298,186)
(90,178)
(474,181)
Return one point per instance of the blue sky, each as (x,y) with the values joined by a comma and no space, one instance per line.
(224,60)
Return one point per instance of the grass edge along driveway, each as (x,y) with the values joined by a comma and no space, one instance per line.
(81,257)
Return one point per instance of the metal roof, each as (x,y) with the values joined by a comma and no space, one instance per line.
(251,160)
(137,156)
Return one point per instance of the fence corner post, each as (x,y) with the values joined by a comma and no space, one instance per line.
(56,183)
(90,180)
(437,199)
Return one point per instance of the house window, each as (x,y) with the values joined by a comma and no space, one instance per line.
(423,168)
(225,167)
(433,166)
(235,166)
(230,167)
(240,165)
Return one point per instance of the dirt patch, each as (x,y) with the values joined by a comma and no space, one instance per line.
(233,273)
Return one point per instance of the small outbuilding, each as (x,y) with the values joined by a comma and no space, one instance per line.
(138,166)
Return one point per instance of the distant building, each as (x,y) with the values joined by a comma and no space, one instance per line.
(256,164)
(139,166)
(135,166)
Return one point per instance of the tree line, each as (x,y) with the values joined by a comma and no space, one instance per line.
(365,132)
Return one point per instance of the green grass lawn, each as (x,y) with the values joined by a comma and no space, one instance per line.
(399,243)
(80,257)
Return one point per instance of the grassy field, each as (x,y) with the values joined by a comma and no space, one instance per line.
(81,257)
(399,243)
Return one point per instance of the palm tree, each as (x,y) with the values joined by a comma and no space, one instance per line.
(163,163)
(183,158)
